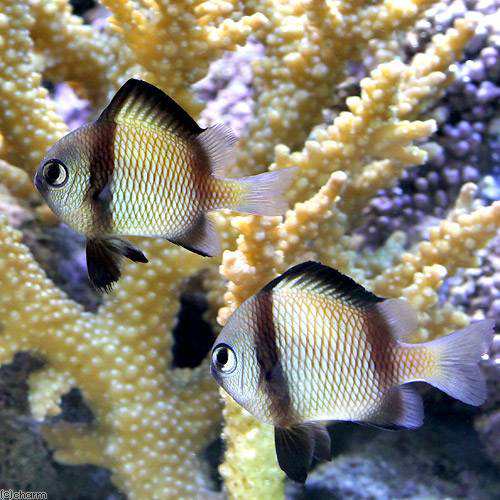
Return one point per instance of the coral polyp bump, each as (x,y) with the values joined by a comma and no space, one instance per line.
(388,110)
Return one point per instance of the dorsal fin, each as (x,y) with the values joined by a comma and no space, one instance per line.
(139,101)
(218,144)
(322,280)
(400,317)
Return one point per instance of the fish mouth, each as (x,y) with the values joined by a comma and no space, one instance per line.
(215,374)
(37,180)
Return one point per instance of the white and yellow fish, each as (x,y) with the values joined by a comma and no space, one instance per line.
(145,168)
(314,346)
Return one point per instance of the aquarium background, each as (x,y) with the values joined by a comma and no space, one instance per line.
(65,426)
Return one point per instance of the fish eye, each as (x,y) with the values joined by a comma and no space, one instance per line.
(224,359)
(55,173)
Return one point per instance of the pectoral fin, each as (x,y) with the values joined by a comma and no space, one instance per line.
(297,446)
(104,261)
(103,195)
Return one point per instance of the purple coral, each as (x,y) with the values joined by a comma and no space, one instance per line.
(477,291)
(466,145)
(227,89)
(73,110)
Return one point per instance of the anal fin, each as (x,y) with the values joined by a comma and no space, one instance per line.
(297,446)
(104,260)
(401,408)
(202,238)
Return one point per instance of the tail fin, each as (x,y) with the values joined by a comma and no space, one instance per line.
(458,373)
(264,193)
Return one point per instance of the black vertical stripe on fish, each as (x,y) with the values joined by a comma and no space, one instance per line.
(401,407)
(271,377)
(104,260)
(100,194)
(382,356)
(298,445)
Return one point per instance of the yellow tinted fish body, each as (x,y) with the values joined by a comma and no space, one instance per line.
(313,346)
(145,168)
(141,205)
(350,362)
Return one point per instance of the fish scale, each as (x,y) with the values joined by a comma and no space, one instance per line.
(145,168)
(161,212)
(352,375)
(305,344)
(314,346)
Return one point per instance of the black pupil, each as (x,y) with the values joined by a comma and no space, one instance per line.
(222,356)
(52,172)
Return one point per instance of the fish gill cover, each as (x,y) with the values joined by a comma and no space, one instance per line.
(354,93)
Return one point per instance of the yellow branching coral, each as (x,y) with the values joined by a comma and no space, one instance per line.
(371,144)
(295,81)
(96,63)
(452,244)
(73,51)
(151,421)
(15,180)
(28,121)
(205,29)
(375,138)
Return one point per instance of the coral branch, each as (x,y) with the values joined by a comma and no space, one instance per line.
(150,420)
(451,244)
(154,41)
(75,444)
(76,53)
(16,180)
(295,81)
(120,360)
(28,120)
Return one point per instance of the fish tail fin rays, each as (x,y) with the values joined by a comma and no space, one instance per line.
(457,372)
(264,194)
(218,144)
(401,408)
(297,446)
(202,238)
(104,258)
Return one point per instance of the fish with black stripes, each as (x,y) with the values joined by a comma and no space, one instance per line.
(145,168)
(313,346)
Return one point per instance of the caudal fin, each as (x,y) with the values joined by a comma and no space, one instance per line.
(264,194)
(458,373)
